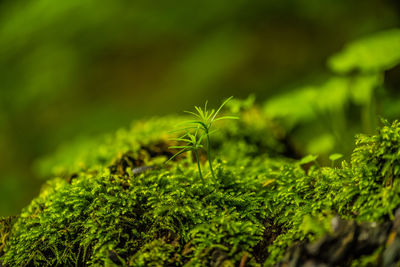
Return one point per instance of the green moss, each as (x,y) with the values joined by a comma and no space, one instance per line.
(105,214)
(111,200)
(5,230)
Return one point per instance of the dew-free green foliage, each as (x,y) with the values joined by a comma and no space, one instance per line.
(375,53)
(348,101)
(380,153)
(154,59)
(91,154)
(192,143)
(105,204)
(334,157)
(204,119)
(255,210)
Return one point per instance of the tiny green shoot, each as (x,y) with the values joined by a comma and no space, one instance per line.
(204,118)
(308,159)
(335,157)
(192,143)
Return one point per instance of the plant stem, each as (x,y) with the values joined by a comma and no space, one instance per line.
(209,155)
(198,164)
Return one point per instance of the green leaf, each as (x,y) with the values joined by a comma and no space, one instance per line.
(335,156)
(378,52)
(192,113)
(308,159)
(220,107)
(178,147)
(177,154)
(227,118)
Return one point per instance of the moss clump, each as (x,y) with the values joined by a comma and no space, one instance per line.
(100,210)
(5,229)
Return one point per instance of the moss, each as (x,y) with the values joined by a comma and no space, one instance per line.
(101,210)
(5,231)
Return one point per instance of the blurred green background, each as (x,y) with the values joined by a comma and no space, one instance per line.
(78,68)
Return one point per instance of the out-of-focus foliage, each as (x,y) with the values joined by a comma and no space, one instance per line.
(71,70)
(374,54)
(344,104)
(111,201)
(89,154)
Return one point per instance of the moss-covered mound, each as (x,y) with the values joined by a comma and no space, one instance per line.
(111,201)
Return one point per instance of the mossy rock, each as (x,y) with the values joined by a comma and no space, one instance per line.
(111,201)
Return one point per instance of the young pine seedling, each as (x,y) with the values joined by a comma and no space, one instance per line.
(203,120)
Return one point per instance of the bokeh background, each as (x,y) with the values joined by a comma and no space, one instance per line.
(75,69)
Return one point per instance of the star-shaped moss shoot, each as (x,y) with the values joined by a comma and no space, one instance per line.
(203,121)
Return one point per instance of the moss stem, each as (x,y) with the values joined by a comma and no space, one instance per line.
(209,156)
(198,164)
